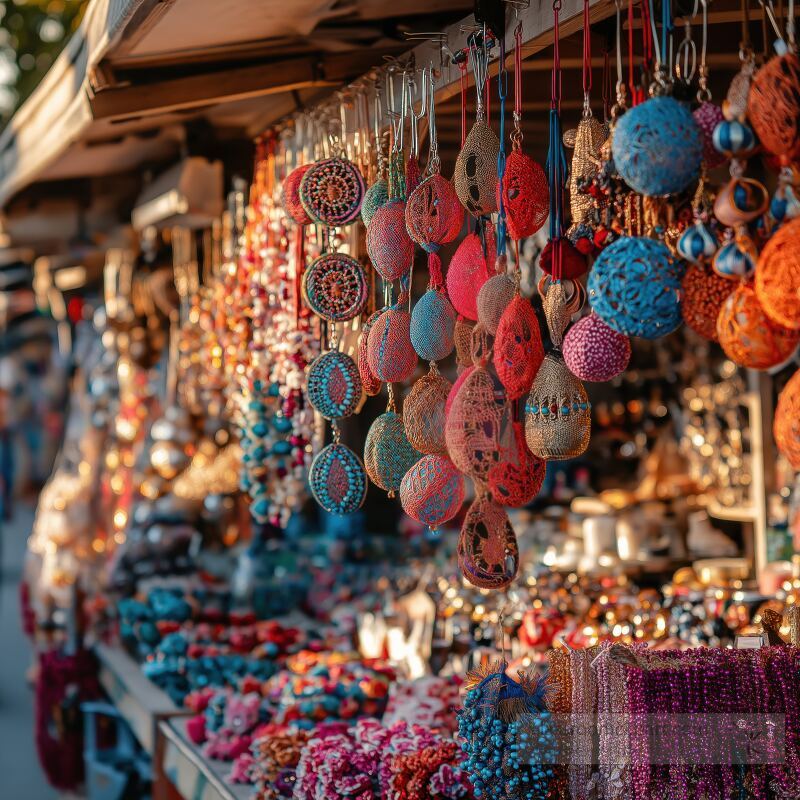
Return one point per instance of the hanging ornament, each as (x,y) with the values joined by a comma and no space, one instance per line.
(375,197)
(488,555)
(334,385)
(748,336)
(432,326)
(494,298)
(457,387)
(463,341)
(338,480)
(390,354)
(335,287)
(290,197)
(469,270)
(518,349)
(518,477)
(432,491)
(703,294)
(424,415)
(785,204)
(390,248)
(331,192)
(733,139)
(388,454)
(634,287)
(786,427)
(573,262)
(778,276)
(372,385)
(736,259)
(740,201)
(697,244)
(595,352)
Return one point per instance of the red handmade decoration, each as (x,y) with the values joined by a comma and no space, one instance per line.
(773,106)
(518,349)
(704,293)
(290,196)
(526,196)
(787,421)
(778,276)
(371,384)
(390,248)
(390,354)
(573,262)
(469,269)
(433,213)
(517,479)
(488,556)
(595,352)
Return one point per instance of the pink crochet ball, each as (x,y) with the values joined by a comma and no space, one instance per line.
(434,214)
(595,352)
(290,196)
(707,116)
(469,269)
(390,354)
(432,491)
(390,248)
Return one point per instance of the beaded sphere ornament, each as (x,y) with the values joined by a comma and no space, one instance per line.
(376,196)
(494,298)
(786,427)
(595,352)
(634,286)
(469,269)
(433,213)
(390,248)
(372,385)
(518,350)
(519,476)
(331,192)
(290,196)
(778,276)
(748,336)
(462,335)
(390,354)
(488,555)
(335,287)
(697,244)
(704,293)
(657,147)
(773,106)
(334,385)
(475,174)
(425,414)
(433,321)
(707,116)
(432,491)
(525,194)
(388,454)
(338,480)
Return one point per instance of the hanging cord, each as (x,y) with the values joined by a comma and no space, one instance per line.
(433,164)
(647,36)
(377,130)
(516,134)
(480,67)
(462,69)
(619,106)
(703,92)
(631,58)
(587,61)
(686,57)
(502,92)
(606,85)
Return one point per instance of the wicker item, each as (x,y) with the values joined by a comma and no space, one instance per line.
(475,175)
(388,454)
(424,415)
(778,276)
(462,336)
(773,106)
(589,139)
(488,555)
(786,426)
(494,298)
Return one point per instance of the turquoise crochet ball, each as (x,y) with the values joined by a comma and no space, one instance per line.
(657,147)
(433,321)
(635,287)
(376,196)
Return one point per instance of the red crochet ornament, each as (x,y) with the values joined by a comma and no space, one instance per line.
(494,298)
(290,196)
(518,348)
(372,384)
(786,427)
(469,269)
(778,276)
(595,352)
(390,248)
(748,336)
(518,478)
(526,195)
(573,262)
(773,106)
(434,215)
(390,354)
(432,491)
(488,555)
(704,292)
(456,386)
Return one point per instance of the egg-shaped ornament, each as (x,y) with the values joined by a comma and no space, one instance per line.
(525,195)
(433,321)
(634,287)
(704,293)
(390,354)
(389,246)
(424,413)
(494,298)
(697,243)
(434,215)
(786,426)
(331,192)
(773,106)
(558,419)
(488,554)
(595,352)
(290,196)
(518,351)
(337,479)
(587,141)
(707,116)
(778,276)
(335,287)
(432,491)
(518,477)
(475,174)
(334,385)
(470,267)
(733,139)
(375,196)
(657,147)
(748,336)
(736,258)
(371,383)
(388,454)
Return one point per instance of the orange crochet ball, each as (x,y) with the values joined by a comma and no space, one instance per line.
(748,336)
(786,426)
(773,106)
(778,276)
(704,292)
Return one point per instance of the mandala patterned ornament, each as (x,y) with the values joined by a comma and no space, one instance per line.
(778,276)
(657,147)
(634,287)
(425,415)
(376,196)
(434,215)
(773,106)
(331,192)
(748,336)
(338,480)
(786,426)
(526,195)
(707,116)
(488,555)
(595,352)
(390,354)
(371,384)
(335,287)
(388,454)
(290,196)
(469,269)
(704,293)
(494,298)
(432,491)
(475,175)
(334,385)
(518,478)
(390,248)
(433,322)
(518,348)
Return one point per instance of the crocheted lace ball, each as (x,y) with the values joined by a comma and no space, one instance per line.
(331,192)
(462,336)
(707,116)
(390,354)
(334,385)
(475,175)
(376,196)
(573,262)
(434,215)
(290,196)
(519,475)
(335,287)
(456,387)
(748,336)
(657,147)
(390,248)
(371,384)
(338,480)
(778,276)
(494,298)
(433,322)
(773,106)
(468,271)
(634,286)
(704,292)
(526,195)
(518,348)
(594,352)
(488,555)
(425,413)
(697,244)
(388,454)
(432,491)
(786,426)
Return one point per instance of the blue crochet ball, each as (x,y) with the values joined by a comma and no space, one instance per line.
(657,147)
(433,322)
(634,287)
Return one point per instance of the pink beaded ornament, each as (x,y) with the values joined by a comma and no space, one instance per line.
(526,196)
(488,555)
(518,348)
(595,352)
(390,354)
(290,196)
(707,116)
(372,385)
(518,478)
(432,491)
(390,248)
(469,270)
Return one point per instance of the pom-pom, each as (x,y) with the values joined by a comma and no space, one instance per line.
(475,175)
(432,491)
(331,192)
(494,298)
(707,116)
(433,322)
(468,271)
(424,413)
(335,287)
(518,348)
(488,555)
(372,384)
(773,106)
(290,196)
(704,293)
(334,385)
(526,195)
(390,354)
(390,248)
(433,213)
(376,196)
(519,476)
(595,352)
(388,454)
(786,426)
(573,262)
(337,480)
(778,276)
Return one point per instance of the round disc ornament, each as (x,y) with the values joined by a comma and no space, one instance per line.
(338,480)
(334,385)
(525,194)
(778,276)
(488,555)
(424,415)
(704,293)
(331,192)
(518,348)
(773,106)
(634,287)
(657,147)
(335,287)
(432,491)
(388,454)
(390,354)
(290,196)
(786,427)
(595,352)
